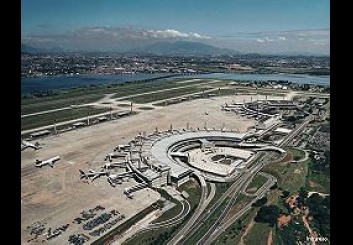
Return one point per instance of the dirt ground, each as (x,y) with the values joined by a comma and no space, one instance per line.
(270,238)
(246,232)
(283,220)
(55,196)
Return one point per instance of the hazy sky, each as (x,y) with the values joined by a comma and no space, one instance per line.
(264,26)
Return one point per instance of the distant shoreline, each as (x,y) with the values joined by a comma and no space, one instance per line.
(64,82)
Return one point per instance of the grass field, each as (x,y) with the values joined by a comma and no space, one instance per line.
(30,106)
(256,183)
(59,116)
(290,176)
(296,153)
(258,234)
(233,233)
(164,95)
(131,89)
(317,181)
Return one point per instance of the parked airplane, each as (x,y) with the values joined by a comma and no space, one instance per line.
(26,144)
(114,155)
(121,147)
(93,174)
(118,177)
(113,179)
(49,162)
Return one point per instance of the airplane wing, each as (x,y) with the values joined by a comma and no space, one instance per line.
(95,177)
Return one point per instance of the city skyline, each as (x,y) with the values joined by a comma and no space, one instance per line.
(245,26)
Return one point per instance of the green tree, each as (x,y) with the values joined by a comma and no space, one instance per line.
(303,195)
(268,214)
(285,194)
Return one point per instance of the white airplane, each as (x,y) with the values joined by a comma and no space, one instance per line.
(111,155)
(26,144)
(113,179)
(118,178)
(93,174)
(49,162)
(121,147)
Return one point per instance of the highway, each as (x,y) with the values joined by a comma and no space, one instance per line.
(296,131)
(178,218)
(223,222)
(200,208)
(261,192)
(231,192)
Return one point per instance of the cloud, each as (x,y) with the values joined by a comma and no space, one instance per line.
(105,37)
(271,36)
(170,33)
(38,39)
(268,39)
(293,41)
(196,35)
(167,34)
(121,33)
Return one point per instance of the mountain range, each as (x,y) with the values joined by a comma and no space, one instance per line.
(171,48)
(185,48)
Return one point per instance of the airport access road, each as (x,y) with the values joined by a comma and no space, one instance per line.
(223,226)
(223,221)
(204,201)
(296,131)
(231,192)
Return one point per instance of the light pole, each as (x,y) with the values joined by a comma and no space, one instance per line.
(88,118)
(55,131)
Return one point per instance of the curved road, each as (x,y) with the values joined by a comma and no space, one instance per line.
(204,201)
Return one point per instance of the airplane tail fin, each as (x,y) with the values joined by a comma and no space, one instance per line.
(82,174)
(112,184)
(38,161)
